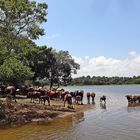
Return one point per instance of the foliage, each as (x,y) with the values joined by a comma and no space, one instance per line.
(20,58)
(135,80)
(62,68)
(19,21)
(98,80)
(22,18)
(40,60)
(14,71)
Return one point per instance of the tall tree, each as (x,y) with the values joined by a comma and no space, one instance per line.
(19,24)
(62,68)
(20,18)
(40,59)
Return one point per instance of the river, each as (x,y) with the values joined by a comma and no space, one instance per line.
(113,121)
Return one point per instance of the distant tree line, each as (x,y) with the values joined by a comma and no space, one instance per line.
(103,80)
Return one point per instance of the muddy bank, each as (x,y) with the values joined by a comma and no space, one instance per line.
(24,112)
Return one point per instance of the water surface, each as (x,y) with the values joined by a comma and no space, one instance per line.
(113,121)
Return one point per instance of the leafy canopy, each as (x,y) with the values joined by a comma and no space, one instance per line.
(13,70)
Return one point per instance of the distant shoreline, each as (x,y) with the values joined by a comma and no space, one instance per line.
(103,80)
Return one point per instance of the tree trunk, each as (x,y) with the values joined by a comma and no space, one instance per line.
(51,84)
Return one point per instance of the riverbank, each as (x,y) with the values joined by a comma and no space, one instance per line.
(24,112)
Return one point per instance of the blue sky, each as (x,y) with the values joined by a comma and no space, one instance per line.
(95,29)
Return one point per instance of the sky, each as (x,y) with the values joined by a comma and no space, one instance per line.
(103,36)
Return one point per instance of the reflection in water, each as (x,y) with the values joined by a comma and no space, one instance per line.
(103,106)
(133,104)
(77,118)
(133,107)
(93,103)
(51,130)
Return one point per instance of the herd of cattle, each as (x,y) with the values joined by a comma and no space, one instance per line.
(45,94)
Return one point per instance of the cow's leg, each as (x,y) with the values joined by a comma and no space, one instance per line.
(93,100)
(48,102)
(64,102)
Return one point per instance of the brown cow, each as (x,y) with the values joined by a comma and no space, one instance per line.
(79,97)
(88,97)
(44,98)
(133,99)
(92,95)
(39,94)
(34,96)
(68,99)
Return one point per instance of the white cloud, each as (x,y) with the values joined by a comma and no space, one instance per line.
(86,57)
(102,66)
(132,53)
(79,60)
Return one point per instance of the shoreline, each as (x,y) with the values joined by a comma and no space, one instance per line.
(23,112)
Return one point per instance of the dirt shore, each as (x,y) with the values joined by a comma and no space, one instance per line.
(23,111)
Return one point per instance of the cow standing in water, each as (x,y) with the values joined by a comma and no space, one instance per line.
(133,98)
(11,92)
(92,95)
(79,97)
(103,98)
(88,97)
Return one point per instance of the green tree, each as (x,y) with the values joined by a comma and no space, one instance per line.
(19,24)
(13,71)
(62,68)
(20,19)
(39,59)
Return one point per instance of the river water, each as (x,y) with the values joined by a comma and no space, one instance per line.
(113,121)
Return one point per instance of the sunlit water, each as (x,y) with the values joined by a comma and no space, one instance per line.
(113,121)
